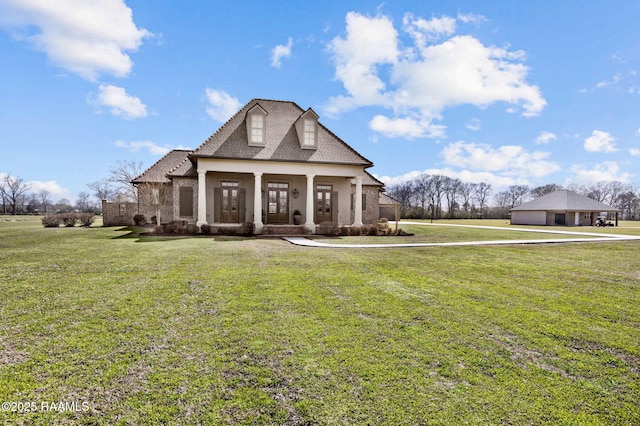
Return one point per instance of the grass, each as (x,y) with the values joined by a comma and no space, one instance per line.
(257,331)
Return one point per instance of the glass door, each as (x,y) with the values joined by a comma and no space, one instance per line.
(278,203)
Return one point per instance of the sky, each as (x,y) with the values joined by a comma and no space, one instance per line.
(502,92)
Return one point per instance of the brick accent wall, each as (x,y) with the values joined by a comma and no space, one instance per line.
(118,214)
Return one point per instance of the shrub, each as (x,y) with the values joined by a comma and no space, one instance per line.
(139,220)
(205,229)
(330,229)
(51,221)
(192,229)
(85,219)
(68,219)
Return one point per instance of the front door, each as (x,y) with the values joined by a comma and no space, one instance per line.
(278,203)
(229,203)
(323,203)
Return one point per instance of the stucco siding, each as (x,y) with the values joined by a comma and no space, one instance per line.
(528,218)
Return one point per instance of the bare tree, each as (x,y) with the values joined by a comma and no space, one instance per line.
(45,198)
(102,189)
(159,194)
(121,176)
(466,193)
(422,190)
(13,189)
(83,203)
(517,194)
(481,195)
(451,187)
(437,189)
(545,189)
(403,193)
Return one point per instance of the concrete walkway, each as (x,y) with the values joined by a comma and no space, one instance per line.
(580,237)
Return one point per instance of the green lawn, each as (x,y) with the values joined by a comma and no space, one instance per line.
(257,331)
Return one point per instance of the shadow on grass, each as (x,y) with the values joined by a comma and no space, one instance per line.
(144,235)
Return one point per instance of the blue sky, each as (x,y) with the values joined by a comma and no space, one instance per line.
(505,92)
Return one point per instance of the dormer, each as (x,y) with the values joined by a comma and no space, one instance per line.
(307,129)
(256,121)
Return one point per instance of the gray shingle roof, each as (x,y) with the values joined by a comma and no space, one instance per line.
(159,171)
(230,141)
(565,200)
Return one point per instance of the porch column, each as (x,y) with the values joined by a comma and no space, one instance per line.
(202,198)
(357,217)
(257,203)
(309,224)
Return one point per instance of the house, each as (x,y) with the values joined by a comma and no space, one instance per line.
(271,159)
(562,207)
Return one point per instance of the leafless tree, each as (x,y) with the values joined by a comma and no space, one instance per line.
(402,192)
(83,203)
(437,189)
(545,189)
(13,189)
(481,195)
(517,194)
(451,187)
(160,194)
(121,176)
(102,189)
(466,193)
(422,190)
(45,198)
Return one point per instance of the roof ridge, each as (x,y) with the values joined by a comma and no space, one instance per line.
(152,166)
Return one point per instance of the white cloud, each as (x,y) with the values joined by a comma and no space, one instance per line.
(606,171)
(87,38)
(614,80)
(427,78)
(135,146)
(222,106)
(119,102)
(600,141)
(281,51)
(474,124)
(497,182)
(509,160)
(545,138)
(470,18)
(423,31)
(635,152)
(356,62)
(55,190)
(405,127)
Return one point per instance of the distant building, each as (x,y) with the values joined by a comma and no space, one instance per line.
(561,208)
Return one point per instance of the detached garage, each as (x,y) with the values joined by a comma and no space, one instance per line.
(565,208)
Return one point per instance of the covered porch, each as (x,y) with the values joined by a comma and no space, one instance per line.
(278,198)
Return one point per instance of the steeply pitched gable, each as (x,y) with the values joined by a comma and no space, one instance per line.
(159,171)
(281,139)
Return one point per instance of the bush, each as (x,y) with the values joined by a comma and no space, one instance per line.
(330,229)
(52,221)
(85,219)
(139,220)
(68,220)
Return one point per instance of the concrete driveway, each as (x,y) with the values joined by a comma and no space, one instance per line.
(580,237)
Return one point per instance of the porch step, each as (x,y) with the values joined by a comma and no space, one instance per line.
(285,230)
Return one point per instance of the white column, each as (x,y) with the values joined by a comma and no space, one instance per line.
(257,204)
(357,217)
(309,224)
(202,198)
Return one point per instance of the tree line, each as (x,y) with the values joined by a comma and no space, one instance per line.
(436,196)
(17,196)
